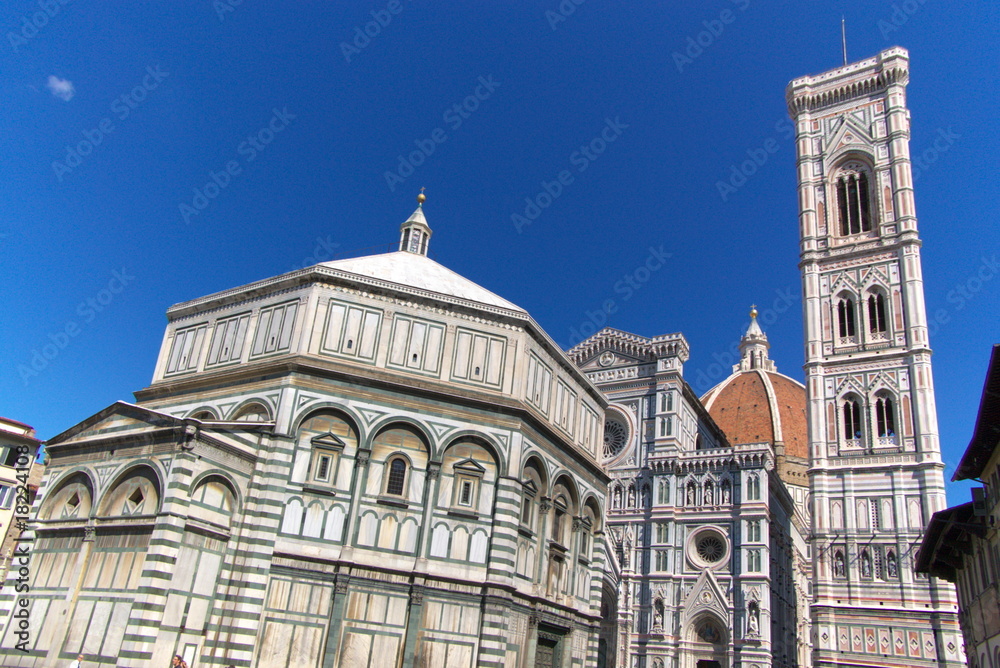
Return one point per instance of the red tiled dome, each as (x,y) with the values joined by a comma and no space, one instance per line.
(755,405)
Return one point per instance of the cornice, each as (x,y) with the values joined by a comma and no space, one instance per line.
(633,345)
(843,85)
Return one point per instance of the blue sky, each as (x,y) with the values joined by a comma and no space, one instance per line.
(296,121)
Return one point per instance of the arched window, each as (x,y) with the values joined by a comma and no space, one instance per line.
(253,412)
(71,500)
(845,318)
(877,323)
(663,491)
(853,200)
(559,519)
(885,418)
(753,488)
(588,525)
(852,419)
(328,438)
(138,493)
(396,476)
(528,492)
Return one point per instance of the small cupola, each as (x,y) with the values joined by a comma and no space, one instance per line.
(753,348)
(415,232)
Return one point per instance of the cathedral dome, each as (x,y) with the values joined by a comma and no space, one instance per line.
(757,404)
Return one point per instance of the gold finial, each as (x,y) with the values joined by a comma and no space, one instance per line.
(421,198)
(753,310)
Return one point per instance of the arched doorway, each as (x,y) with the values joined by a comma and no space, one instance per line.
(706,643)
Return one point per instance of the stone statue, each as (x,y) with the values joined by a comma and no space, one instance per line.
(631,496)
(725,492)
(866,564)
(690,499)
(890,565)
(753,622)
(839,568)
(709,494)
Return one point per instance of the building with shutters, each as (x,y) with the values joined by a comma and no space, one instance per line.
(962,543)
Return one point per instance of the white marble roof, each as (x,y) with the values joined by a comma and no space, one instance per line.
(418,271)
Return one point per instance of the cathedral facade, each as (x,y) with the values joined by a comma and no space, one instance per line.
(708,537)
(376,462)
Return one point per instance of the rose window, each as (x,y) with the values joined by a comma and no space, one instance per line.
(711,548)
(615,436)
(708,548)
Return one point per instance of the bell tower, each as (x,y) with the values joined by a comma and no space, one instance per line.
(876,474)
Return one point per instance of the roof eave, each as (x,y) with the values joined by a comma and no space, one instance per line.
(986,433)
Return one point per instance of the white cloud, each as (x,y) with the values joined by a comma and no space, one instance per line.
(61,88)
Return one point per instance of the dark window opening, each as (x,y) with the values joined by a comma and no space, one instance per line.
(876,314)
(397,477)
(884,417)
(852,419)
(323,469)
(853,204)
(845,319)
